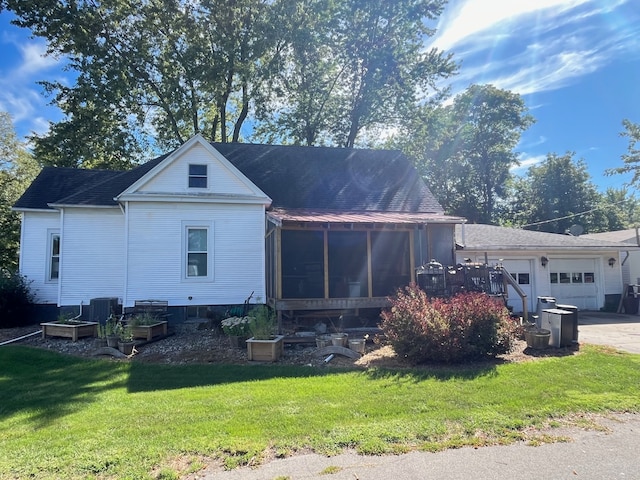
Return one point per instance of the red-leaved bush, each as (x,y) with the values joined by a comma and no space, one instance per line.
(467,326)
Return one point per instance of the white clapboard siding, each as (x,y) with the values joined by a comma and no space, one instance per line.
(156,253)
(34,255)
(92,253)
(175,177)
(612,275)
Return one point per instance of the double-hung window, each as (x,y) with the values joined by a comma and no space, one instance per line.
(197,176)
(197,252)
(53,272)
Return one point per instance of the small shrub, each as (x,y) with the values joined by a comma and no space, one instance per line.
(237,326)
(16,299)
(141,319)
(262,322)
(466,326)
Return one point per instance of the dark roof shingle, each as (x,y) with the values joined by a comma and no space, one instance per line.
(330,178)
(294,177)
(490,237)
(54,183)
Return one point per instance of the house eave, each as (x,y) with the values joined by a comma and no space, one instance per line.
(58,206)
(191,198)
(282,217)
(34,210)
(529,248)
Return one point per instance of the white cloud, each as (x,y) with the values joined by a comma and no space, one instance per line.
(39,125)
(555,71)
(541,140)
(35,60)
(19,101)
(529,47)
(25,63)
(468,18)
(526,162)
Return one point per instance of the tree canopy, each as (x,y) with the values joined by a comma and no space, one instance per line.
(554,195)
(302,71)
(17,169)
(465,150)
(631,159)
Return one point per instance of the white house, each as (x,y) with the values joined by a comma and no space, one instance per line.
(302,228)
(581,271)
(186,228)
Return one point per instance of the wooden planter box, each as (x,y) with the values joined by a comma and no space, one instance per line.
(149,331)
(74,330)
(265,350)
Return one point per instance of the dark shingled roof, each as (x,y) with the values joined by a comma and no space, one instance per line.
(330,178)
(293,177)
(490,237)
(104,193)
(54,183)
(629,236)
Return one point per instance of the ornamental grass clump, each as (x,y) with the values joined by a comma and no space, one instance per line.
(467,326)
(263,322)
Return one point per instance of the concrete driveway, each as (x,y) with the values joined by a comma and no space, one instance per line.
(614,329)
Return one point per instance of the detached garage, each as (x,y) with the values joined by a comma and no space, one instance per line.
(579,271)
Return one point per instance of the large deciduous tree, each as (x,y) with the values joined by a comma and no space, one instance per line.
(465,150)
(555,195)
(312,71)
(17,169)
(619,210)
(631,159)
(159,70)
(351,66)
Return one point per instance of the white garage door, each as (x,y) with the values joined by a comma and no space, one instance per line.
(574,282)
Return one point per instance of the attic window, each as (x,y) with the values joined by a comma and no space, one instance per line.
(197,176)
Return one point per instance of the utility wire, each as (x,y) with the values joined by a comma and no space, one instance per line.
(572,215)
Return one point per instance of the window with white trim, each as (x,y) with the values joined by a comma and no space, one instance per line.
(197,176)
(53,268)
(572,278)
(197,254)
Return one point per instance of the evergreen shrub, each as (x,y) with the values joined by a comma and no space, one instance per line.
(16,299)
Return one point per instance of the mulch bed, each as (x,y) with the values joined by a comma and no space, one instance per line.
(208,346)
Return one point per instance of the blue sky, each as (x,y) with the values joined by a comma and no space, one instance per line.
(575,62)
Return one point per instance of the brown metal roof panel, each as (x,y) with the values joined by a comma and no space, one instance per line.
(311,216)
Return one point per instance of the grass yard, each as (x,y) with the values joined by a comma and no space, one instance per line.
(65,417)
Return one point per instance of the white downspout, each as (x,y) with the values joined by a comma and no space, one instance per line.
(61,258)
(21,250)
(125,210)
(464,243)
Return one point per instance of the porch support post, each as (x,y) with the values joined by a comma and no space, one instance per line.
(369,266)
(326,263)
(412,255)
(278,262)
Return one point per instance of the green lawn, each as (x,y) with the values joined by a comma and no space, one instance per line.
(64,417)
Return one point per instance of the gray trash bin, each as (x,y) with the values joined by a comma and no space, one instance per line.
(574,310)
(560,323)
(543,303)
